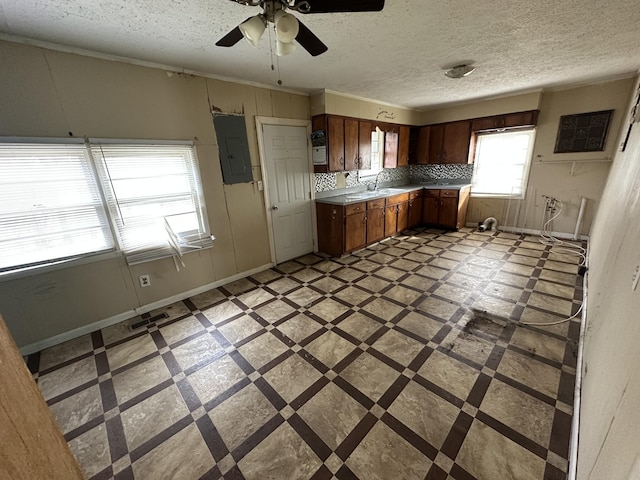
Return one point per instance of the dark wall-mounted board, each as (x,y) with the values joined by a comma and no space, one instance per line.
(583,132)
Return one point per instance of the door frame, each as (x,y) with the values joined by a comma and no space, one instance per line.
(285,122)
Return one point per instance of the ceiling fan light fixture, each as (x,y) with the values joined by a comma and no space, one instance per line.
(284,48)
(460,71)
(253,28)
(287,26)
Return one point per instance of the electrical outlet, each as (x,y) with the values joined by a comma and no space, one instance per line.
(145,280)
(634,279)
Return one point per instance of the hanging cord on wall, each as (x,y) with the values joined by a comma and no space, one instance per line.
(558,247)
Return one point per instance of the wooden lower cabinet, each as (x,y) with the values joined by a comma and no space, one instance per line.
(397,211)
(445,208)
(343,229)
(390,220)
(355,233)
(402,222)
(330,220)
(375,220)
(415,209)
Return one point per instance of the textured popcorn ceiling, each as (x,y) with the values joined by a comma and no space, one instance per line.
(396,56)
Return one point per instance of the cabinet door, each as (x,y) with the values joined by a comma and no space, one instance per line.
(415,212)
(436,136)
(335,146)
(364,145)
(521,119)
(390,220)
(485,123)
(375,225)
(390,150)
(355,234)
(455,145)
(351,139)
(448,211)
(403,216)
(403,146)
(430,207)
(422,155)
(330,220)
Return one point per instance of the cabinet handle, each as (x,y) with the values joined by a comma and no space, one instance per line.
(364,220)
(342,162)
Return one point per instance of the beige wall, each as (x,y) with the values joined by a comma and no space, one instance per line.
(557,179)
(46,93)
(349,106)
(610,415)
(484,108)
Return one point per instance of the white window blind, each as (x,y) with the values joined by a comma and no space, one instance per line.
(155,198)
(502,163)
(50,205)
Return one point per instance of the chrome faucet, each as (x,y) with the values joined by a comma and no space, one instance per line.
(375,185)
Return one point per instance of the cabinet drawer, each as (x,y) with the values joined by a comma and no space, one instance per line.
(395,199)
(415,194)
(379,203)
(448,193)
(355,208)
(431,193)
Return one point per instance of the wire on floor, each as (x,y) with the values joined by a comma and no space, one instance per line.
(552,210)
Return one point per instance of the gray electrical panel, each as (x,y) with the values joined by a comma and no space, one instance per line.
(234,148)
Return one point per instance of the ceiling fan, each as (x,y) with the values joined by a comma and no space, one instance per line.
(288,28)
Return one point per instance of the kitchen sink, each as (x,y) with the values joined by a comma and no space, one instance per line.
(386,191)
(362,196)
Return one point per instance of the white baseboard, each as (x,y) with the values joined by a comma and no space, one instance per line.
(121,317)
(532,231)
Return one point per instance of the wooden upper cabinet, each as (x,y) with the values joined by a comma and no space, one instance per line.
(436,134)
(449,142)
(335,143)
(403,145)
(455,142)
(521,119)
(351,140)
(506,121)
(422,145)
(364,144)
(390,150)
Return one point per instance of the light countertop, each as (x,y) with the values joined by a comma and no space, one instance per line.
(366,195)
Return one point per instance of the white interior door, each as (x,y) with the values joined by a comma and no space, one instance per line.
(287,164)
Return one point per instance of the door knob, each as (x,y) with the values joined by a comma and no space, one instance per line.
(275,207)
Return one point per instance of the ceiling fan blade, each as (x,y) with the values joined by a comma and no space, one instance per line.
(334,6)
(231,38)
(309,41)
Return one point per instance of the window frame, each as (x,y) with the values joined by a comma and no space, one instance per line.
(372,172)
(526,166)
(202,239)
(50,152)
(193,240)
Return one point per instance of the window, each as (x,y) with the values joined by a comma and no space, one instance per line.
(50,205)
(153,192)
(63,201)
(377,141)
(502,164)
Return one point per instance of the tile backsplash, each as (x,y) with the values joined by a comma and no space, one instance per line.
(417,173)
(422,173)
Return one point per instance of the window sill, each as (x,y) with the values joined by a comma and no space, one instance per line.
(497,196)
(59,265)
